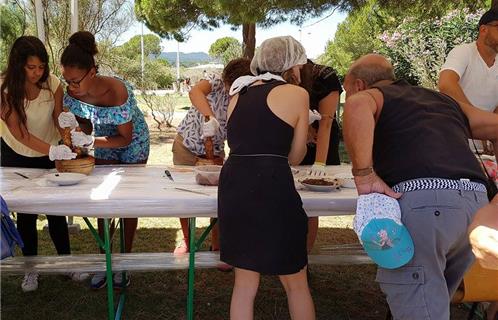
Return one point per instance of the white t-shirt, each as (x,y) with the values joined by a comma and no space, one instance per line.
(478,81)
(39,120)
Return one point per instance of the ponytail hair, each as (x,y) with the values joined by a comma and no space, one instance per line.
(80,51)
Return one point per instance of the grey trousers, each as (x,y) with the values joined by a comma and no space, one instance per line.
(437,221)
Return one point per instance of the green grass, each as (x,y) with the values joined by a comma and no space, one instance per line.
(340,292)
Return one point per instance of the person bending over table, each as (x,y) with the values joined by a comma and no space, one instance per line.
(106,106)
(262,222)
(209,97)
(31,102)
(397,138)
(324,88)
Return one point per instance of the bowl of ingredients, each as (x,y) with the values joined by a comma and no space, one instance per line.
(320,184)
(207,175)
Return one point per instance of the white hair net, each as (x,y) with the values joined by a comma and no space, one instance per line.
(277,55)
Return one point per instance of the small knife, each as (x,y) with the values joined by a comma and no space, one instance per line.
(22,175)
(193,191)
(168,174)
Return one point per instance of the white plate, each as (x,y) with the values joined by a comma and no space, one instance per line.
(346,180)
(65,178)
(320,188)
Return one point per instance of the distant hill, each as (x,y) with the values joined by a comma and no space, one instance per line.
(191,58)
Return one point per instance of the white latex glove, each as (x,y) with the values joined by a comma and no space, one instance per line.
(60,152)
(209,128)
(317,169)
(67,120)
(314,116)
(80,139)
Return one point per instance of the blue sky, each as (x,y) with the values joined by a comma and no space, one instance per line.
(314,35)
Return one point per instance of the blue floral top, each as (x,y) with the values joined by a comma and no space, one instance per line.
(191,126)
(105,121)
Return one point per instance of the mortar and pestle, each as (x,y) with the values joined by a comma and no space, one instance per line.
(209,158)
(83,162)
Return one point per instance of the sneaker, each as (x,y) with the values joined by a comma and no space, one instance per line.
(182,247)
(78,276)
(30,282)
(118,279)
(98,280)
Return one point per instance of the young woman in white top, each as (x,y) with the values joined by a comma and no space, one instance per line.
(31,102)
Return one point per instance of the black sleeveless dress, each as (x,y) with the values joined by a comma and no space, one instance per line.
(262,223)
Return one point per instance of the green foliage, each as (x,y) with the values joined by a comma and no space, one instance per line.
(419,49)
(360,33)
(132,48)
(126,61)
(424,9)
(12,26)
(356,36)
(175,18)
(226,49)
(107,20)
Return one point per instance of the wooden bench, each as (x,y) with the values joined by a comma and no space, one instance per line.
(329,255)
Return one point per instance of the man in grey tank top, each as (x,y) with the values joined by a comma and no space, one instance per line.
(397,138)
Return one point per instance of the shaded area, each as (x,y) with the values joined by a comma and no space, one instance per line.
(339,292)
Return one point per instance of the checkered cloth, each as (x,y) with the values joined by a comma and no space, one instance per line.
(438,183)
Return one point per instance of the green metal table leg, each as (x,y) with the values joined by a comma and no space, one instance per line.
(205,234)
(108,262)
(191,269)
(122,246)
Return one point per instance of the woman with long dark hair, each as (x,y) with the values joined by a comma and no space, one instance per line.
(31,102)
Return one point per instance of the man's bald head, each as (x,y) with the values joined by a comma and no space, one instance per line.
(366,71)
(372,68)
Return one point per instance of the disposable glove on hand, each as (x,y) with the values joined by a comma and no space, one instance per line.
(209,128)
(80,139)
(314,116)
(317,169)
(67,120)
(60,152)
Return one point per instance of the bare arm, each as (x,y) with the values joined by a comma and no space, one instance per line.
(122,139)
(483,124)
(448,84)
(327,107)
(298,145)
(360,115)
(483,235)
(359,125)
(198,97)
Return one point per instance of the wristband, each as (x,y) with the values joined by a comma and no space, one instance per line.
(361,172)
(318,163)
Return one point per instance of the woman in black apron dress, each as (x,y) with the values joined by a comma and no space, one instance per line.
(263,226)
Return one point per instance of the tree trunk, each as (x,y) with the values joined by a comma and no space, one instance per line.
(494,4)
(249,39)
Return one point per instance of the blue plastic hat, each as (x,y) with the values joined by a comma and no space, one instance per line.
(381,232)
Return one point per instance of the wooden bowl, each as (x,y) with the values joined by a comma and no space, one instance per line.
(83,165)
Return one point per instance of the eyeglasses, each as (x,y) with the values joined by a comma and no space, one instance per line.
(75,84)
(492,25)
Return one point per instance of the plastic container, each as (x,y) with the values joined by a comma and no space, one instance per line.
(207,175)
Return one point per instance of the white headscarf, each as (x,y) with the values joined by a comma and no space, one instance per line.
(275,55)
